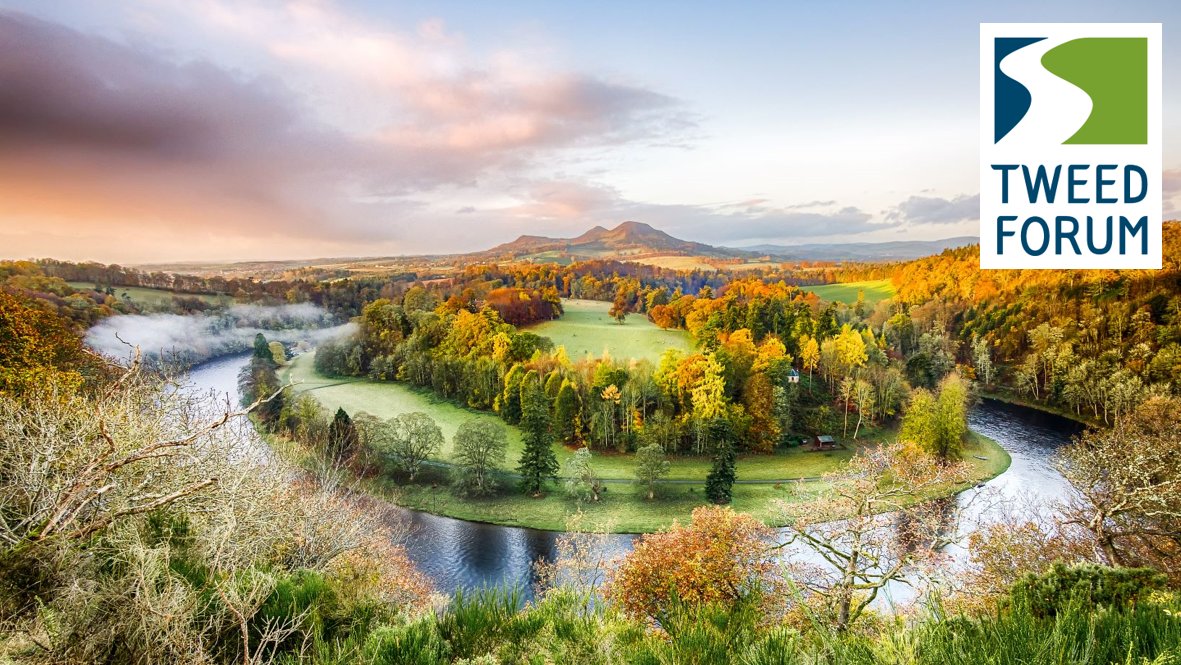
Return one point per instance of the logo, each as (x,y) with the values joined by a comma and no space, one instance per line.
(1070,146)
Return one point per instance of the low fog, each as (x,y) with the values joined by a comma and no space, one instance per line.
(199,337)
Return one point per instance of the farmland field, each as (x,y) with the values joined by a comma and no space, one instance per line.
(875,291)
(586,329)
(155,298)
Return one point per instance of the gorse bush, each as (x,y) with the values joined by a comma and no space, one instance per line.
(1086,584)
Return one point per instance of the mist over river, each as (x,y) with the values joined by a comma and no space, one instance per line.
(460,554)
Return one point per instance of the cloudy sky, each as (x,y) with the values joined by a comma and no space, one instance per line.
(161,130)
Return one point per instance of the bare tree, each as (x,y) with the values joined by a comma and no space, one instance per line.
(890,532)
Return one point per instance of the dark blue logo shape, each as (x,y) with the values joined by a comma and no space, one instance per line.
(1011,100)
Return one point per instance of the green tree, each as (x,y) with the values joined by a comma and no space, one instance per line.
(478,448)
(413,438)
(262,349)
(720,481)
(537,461)
(509,405)
(566,413)
(582,483)
(651,466)
(342,435)
(938,422)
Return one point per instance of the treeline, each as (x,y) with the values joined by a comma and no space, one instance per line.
(1094,343)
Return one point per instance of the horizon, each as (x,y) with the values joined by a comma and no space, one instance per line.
(159,131)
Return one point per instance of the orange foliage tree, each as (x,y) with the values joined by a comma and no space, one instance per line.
(720,557)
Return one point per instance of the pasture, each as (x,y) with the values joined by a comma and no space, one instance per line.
(586,329)
(875,291)
(155,299)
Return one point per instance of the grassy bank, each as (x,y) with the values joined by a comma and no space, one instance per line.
(788,476)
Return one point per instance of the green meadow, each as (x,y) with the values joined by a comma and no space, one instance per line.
(155,299)
(587,329)
(875,291)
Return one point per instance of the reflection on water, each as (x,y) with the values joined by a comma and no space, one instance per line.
(461,554)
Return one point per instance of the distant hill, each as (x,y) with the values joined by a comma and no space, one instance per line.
(629,239)
(899,250)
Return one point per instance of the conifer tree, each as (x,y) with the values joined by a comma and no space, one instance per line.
(538,461)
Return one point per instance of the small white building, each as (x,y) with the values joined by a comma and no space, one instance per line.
(793,376)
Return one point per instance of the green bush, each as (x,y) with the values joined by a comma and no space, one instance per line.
(1087,584)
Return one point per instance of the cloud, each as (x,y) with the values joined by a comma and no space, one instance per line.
(151,155)
(936,210)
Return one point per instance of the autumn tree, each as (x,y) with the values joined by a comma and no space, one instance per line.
(809,355)
(720,557)
(651,466)
(38,348)
(1128,485)
(478,448)
(412,439)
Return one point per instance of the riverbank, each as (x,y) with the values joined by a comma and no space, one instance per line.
(1010,398)
(624,507)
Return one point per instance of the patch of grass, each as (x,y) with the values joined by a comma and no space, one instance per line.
(586,329)
(156,299)
(875,291)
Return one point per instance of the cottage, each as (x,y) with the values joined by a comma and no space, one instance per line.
(824,442)
(793,376)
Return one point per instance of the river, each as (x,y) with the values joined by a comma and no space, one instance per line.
(460,554)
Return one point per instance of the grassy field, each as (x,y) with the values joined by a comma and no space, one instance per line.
(586,329)
(623,509)
(875,291)
(155,299)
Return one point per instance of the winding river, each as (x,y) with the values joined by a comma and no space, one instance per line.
(460,554)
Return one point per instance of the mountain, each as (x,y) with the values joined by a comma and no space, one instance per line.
(629,239)
(899,250)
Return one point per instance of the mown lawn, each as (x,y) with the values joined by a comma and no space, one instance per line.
(624,507)
(875,291)
(586,329)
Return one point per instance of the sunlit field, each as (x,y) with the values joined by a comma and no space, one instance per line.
(875,291)
(586,329)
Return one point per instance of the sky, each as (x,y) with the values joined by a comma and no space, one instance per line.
(141,131)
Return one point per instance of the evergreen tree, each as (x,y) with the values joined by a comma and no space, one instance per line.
(262,349)
(537,460)
(719,482)
(566,413)
(342,435)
